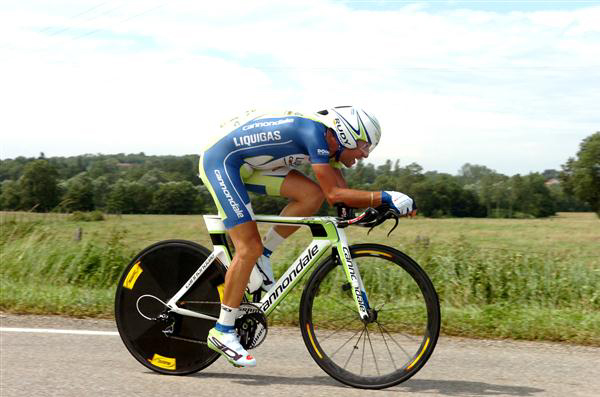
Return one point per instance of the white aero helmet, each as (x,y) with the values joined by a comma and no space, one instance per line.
(352,124)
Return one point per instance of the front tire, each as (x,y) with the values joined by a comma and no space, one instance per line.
(395,343)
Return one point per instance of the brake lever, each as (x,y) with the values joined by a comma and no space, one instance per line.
(395,216)
(388,214)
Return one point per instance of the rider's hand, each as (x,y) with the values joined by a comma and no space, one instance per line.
(400,202)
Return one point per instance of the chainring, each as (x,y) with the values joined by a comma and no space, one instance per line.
(251,326)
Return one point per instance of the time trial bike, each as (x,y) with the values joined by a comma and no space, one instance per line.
(369,314)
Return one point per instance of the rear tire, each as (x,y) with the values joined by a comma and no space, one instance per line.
(160,271)
(400,338)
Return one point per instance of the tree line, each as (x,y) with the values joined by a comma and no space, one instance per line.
(136,183)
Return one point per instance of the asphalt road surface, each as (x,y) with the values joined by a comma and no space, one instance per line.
(51,364)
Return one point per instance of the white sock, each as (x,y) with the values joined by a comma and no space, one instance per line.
(228,315)
(272,240)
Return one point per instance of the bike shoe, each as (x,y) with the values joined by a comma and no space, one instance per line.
(228,345)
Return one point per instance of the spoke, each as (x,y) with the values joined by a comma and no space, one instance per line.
(394,340)
(352,309)
(338,330)
(387,347)
(372,351)
(391,308)
(339,348)
(362,360)
(354,347)
(407,336)
(343,316)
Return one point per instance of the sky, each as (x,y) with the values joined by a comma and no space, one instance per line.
(512,85)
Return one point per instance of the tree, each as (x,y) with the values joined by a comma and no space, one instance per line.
(472,173)
(10,196)
(487,183)
(360,176)
(550,174)
(13,168)
(435,195)
(532,196)
(267,205)
(101,188)
(129,198)
(79,194)
(39,187)
(106,168)
(408,176)
(566,202)
(581,176)
(154,178)
(176,198)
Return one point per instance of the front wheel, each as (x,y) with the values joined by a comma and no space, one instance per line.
(159,339)
(401,333)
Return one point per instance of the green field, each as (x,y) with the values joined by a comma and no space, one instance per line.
(532,279)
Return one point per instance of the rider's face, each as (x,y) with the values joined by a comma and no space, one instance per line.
(349,156)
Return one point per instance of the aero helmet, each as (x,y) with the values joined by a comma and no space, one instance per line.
(351,124)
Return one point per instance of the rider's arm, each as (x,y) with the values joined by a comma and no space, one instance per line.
(339,177)
(328,179)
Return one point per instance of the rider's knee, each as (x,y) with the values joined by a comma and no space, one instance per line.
(250,250)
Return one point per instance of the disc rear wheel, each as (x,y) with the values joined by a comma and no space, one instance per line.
(163,341)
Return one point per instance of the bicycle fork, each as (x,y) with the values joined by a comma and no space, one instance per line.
(357,287)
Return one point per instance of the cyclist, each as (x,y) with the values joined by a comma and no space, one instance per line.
(259,153)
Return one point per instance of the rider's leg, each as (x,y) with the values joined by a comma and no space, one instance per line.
(248,247)
(306,197)
(222,338)
(225,184)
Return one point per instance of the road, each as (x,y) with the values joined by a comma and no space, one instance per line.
(49,364)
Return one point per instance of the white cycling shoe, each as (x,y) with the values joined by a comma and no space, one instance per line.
(263,264)
(228,345)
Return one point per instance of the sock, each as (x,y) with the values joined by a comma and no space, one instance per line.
(271,241)
(227,318)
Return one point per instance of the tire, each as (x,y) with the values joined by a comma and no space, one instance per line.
(383,352)
(160,271)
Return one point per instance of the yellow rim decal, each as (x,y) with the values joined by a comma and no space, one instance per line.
(163,362)
(374,253)
(133,275)
(221,289)
(313,342)
(420,354)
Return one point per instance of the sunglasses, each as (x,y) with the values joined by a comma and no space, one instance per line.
(364,147)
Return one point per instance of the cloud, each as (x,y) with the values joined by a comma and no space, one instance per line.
(450,86)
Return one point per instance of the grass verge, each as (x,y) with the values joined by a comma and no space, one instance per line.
(546,294)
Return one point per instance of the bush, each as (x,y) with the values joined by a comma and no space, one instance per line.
(96,216)
(40,257)
(79,216)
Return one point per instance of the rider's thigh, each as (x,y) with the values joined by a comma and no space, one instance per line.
(299,187)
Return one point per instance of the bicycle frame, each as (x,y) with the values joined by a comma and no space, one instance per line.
(326,234)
